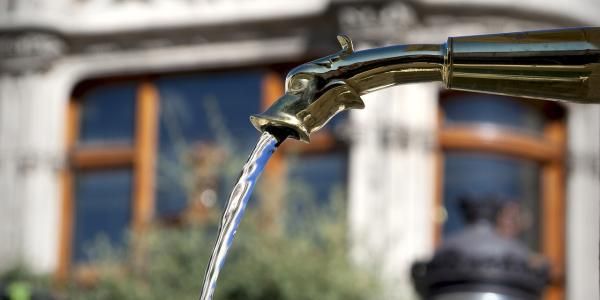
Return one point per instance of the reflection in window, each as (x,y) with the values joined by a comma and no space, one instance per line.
(481,176)
(107,114)
(200,112)
(472,108)
(102,209)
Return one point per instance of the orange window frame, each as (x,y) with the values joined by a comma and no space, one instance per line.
(549,151)
(141,157)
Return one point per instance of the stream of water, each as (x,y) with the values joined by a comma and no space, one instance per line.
(234,210)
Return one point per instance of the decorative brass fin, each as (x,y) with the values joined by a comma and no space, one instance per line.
(339,97)
(346,43)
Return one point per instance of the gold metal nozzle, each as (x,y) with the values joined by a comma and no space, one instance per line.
(318,90)
(313,95)
(281,117)
(553,65)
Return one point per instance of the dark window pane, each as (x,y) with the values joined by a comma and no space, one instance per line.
(107,114)
(208,109)
(102,209)
(480,176)
(171,196)
(493,109)
(314,178)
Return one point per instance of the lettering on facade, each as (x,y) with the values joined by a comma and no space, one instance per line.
(398,137)
(584,163)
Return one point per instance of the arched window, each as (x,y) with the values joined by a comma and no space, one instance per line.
(131,140)
(153,149)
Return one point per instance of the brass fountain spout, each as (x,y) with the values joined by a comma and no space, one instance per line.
(559,65)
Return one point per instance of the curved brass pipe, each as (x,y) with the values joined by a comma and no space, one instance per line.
(553,65)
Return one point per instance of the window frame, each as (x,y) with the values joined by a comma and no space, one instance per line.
(548,150)
(140,157)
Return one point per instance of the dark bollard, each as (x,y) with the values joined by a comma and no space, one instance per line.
(479,264)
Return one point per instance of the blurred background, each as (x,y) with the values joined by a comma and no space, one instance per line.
(123,124)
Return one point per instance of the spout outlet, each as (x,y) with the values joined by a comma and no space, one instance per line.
(296,115)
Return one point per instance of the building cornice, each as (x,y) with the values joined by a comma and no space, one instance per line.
(34,39)
(91,17)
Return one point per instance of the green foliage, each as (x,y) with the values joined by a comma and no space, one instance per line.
(311,263)
(20,284)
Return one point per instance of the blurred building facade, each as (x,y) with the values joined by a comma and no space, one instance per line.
(89,90)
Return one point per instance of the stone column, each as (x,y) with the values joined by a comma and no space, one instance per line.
(11,212)
(583,202)
(391,183)
(391,165)
(31,106)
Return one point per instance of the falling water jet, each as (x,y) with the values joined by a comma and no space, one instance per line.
(234,210)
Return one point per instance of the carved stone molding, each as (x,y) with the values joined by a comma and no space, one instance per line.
(374,23)
(377,22)
(390,21)
(26,51)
